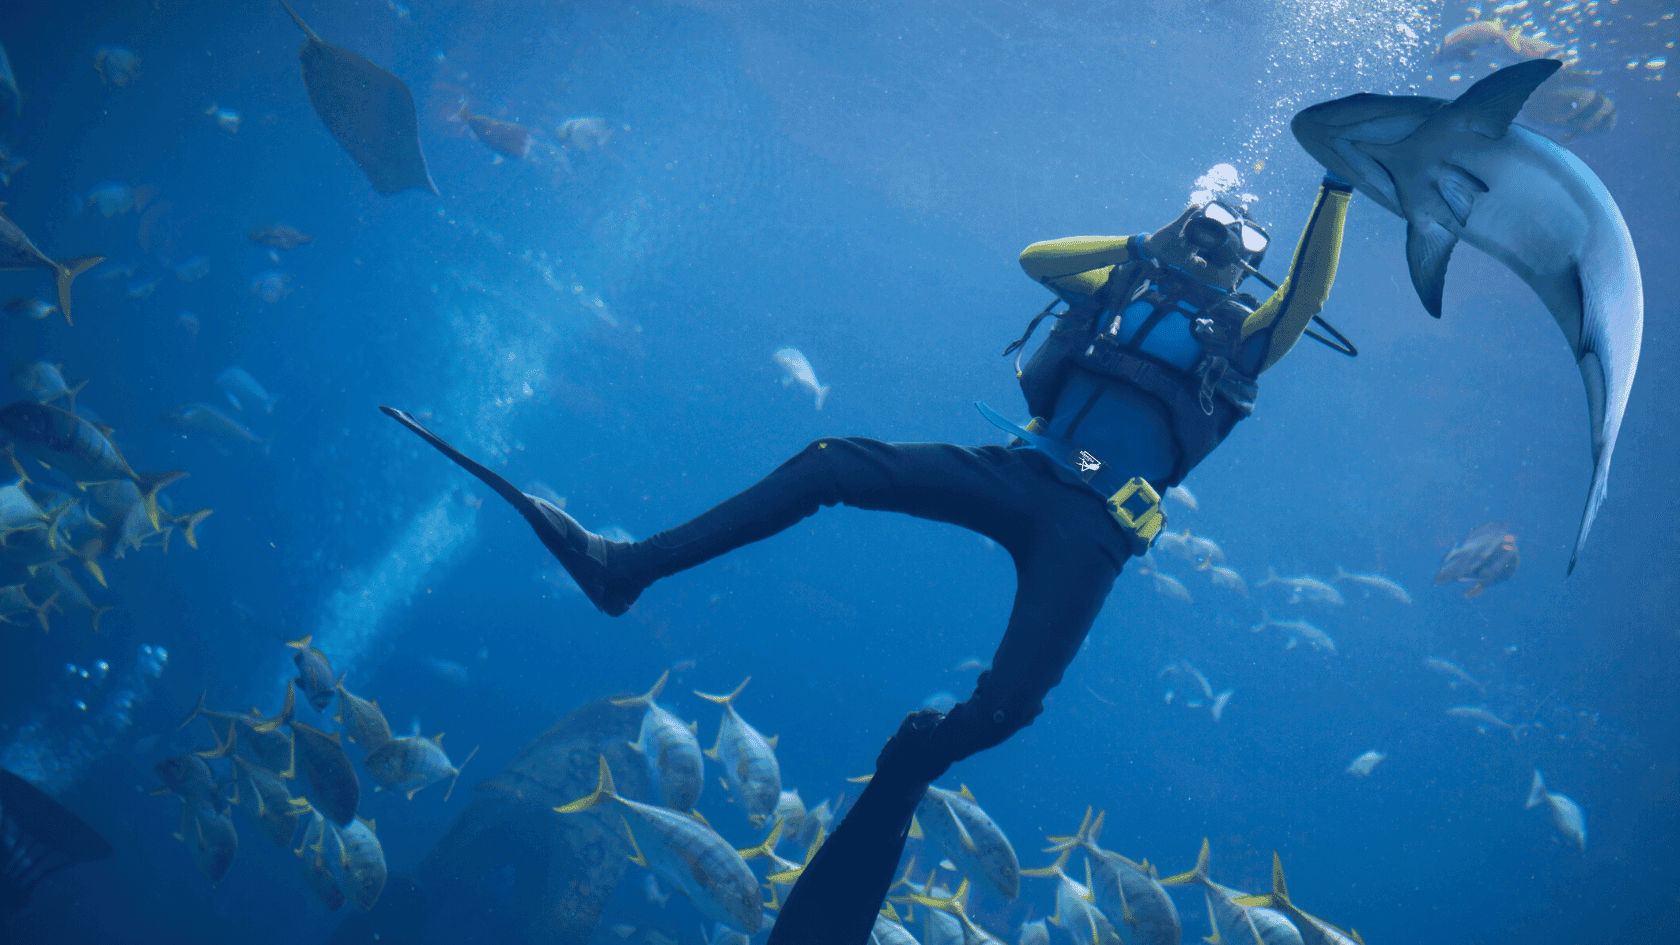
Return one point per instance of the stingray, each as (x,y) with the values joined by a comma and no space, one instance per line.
(369,111)
(38,836)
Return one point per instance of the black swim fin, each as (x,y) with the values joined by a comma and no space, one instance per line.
(580,551)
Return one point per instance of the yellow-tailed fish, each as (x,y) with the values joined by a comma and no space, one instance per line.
(273,807)
(1234,924)
(953,822)
(331,779)
(361,864)
(956,906)
(362,720)
(413,762)
(213,839)
(315,675)
(79,450)
(686,853)
(669,748)
(1314,931)
(18,253)
(748,760)
(1126,892)
(1076,907)
(317,867)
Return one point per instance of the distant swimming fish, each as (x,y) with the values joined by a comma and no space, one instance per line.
(1304,589)
(368,110)
(1566,814)
(242,389)
(1168,586)
(1365,764)
(799,371)
(1375,582)
(507,138)
(278,236)
(1227,579)
(208,421)
(1486,557)
(1453,671)
(361,864)
(227,118)
(115,64)
(1297,630)
(333,787)
(1184,497)
(583,134)
(411,763)
(1483,717)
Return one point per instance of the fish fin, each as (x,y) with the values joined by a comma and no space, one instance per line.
(963,837)
(1198,874)
(725,700)
(67,272)
(772,740)
(437,739)
(186,523)
(1054,869)
(285,710)
(764,849)
(822,395)
(12,457)
(1280,888)
(94,569)
(651,695)
(301,25)
(458,769)
(1066,843)
(711,753)
(603,791)
(694,727)
(1536,791)
(1212,938)
(635,746)
(198,709)
(916,829)
(149,484)
(98,612)
(224,747)
(636,855)
(695,813)
(962,789)
(41,610)
(1474,591)
(1428,247)
(862,779)
(1459,188)
(70,394)
(1489,106)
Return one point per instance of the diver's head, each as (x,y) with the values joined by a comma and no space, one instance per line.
(1215,242)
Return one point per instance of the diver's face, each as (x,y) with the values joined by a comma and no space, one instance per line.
(1177,244)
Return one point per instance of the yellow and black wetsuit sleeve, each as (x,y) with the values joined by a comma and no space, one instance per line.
(1283,317)
(1075,267)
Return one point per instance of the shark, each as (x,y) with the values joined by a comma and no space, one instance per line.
(1460,171)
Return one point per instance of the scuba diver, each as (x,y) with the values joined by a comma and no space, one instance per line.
(1147,369)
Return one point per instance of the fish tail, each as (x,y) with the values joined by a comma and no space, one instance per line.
(301,643)
(603,792)
(11,457)
(54,518)
(651,695)
(187,522)
(285,711)
(224,746)
(1199,874)
(1054,869)
(70,393)
(149,484)
(51,603)
(458,770)
(1079,837)
(822,395)
(94,569)
(67,272)
(725,700)
(1536,791)
(768,847)
(197,711)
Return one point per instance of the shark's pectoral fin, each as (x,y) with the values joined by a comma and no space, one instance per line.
(1459,189)
(1428,247)
(1488,106)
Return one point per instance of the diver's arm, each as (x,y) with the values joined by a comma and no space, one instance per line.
(1284,316)
(1075,267)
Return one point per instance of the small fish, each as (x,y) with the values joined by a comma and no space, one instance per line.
(187,322)
(1217,706)
(956,907)
(412,763)
(687,854)
(1076,910)
(111,198)
(278,236)
(117,65)
(192,269)
(18,253)
(943,700)
(506,138)
(271,286)
(1566,814)
(1482,716)
(8,84)
(1580,111)
(782,873)
(44,382)
(9,163)
(315,675)
(1168,586)
(188,776)
(1229,580)
(207,420)
(333,787)
(655,895)
(362,720)
(955,824)
(1318,639)
(242,389)
(1183,497)
(799,371)
(1486,557)
(361,864)
(227,118)
(748,759)
(213,839)
(1454,673)
(1365,764)
(973,664)
(583,134)
(142,289)
(1375,582)
(1304,589)
(1034,932)
(78,449)
(450,671)
(669,748)
(1126,891)
(25,307)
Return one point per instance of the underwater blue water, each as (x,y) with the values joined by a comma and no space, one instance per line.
(854,180)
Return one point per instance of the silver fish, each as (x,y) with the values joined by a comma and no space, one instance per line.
(1365,764)
(1126,892)
(242,389)
(687,854)
(208,421)
(1375,582)
(1184,497)
(1453,672)
(18,253)
(1168,586)
(1304,589)
(1227,579)
(411,763)
(1076,911)
(1294,629)
(361,863)
(1482,716)
(955,824)
(44,382)
(669,748)
(799,371)
(1566,814)
(1312,929)
(748,759)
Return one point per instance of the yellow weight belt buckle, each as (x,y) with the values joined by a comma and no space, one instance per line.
(1137,507)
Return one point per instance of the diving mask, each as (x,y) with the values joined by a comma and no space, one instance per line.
(1221,235)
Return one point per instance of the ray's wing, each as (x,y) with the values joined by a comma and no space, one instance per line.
(368,110)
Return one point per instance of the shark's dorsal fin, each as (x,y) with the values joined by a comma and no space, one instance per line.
(1489,105)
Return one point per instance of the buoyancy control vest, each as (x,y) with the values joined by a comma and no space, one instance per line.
(1163,333)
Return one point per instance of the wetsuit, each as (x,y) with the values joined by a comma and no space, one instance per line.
(1067,547)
